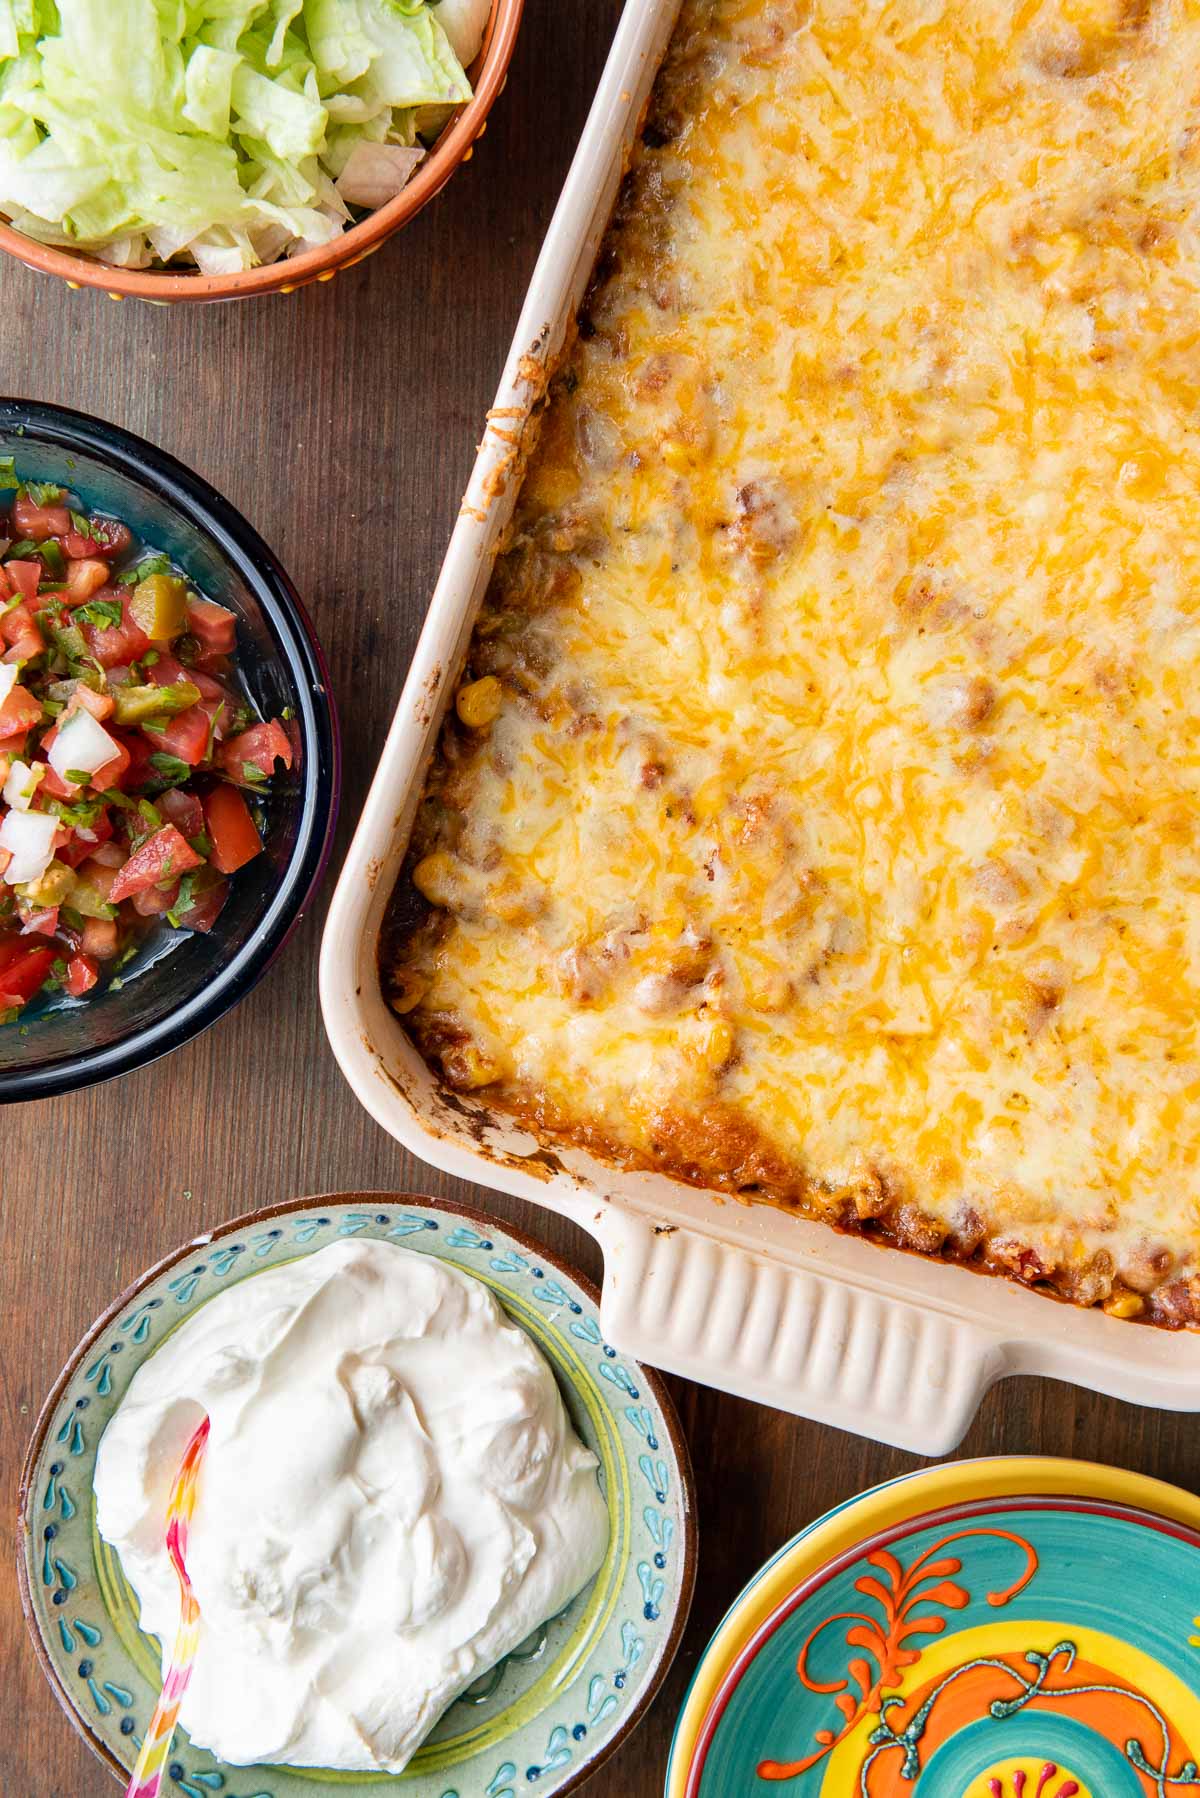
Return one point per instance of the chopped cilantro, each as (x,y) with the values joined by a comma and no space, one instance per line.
(43,493)
(155,563)
(287,714)
(151,656)
(9,604)
(24,551)
(114,796)
(183,903)
(80,525)
(212,731)
(83,812)
(70,916)
(170,766)
(201,844)
(52,559)
(78,777)
(8,472)
(105,612)
(150,814)
(253,775)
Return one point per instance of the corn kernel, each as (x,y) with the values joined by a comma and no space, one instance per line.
(406,990)
(1125,1304)
(478,703)
(468,1067)
(716,1044)
(436,877)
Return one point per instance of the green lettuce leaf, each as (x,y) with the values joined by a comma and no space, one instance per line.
(211,130)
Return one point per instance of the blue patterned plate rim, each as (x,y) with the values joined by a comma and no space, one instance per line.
(937,1517)
(650,1380)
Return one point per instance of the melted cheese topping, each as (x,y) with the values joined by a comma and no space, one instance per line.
(837,831)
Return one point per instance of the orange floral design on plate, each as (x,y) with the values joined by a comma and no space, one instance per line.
(901,1594)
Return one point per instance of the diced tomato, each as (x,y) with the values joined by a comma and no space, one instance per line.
(22,973)
(101,876)
(24,577)
(85,577)
(79,548)
(112,773)
(139,750)
(111,537)
(99,938)
(185,736)
(258,747)
(212,690)
(207,900)
(219,713)
(166,671)
(153,901)
(82,975)
(112,644)
(100,705)
(19,711)
(110,854)
(183,810)
(54,786)
(85,841)
(163,856)
(41,923)
(213,626)
(38,522)
(18,629)
(231,829)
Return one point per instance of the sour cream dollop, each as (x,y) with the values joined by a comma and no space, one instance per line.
(392,1498)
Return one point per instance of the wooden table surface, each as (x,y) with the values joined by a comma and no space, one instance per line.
(342,420)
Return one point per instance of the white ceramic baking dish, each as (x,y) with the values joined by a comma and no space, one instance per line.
(744,1297)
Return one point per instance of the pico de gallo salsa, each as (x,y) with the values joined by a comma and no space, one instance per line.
(132,765)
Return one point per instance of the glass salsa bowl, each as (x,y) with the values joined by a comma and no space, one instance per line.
(180,982)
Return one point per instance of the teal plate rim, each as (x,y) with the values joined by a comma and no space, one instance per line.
(363,1210)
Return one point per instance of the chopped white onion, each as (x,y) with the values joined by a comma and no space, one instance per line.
(82,744)
(8,680)
(21,785)
(29,838)
(375,173)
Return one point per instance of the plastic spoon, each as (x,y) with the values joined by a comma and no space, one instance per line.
(146,1780)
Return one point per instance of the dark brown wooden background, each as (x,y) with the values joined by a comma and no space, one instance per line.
(342,420)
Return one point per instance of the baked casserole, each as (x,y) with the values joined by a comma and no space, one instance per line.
(816,818)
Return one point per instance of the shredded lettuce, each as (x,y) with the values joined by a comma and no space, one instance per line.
(216,132)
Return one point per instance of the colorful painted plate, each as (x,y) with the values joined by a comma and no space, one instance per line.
(996,1629)
(560,1704)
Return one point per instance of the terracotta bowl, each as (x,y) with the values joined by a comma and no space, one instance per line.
(487,73)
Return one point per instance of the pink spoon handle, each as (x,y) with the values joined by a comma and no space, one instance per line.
(146,1779)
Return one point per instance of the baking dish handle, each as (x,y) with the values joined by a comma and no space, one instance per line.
(811,1343)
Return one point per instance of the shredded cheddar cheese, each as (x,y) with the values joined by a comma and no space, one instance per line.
(829,828)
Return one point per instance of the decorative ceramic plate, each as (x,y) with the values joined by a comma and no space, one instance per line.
(543,1720)
(999,1629)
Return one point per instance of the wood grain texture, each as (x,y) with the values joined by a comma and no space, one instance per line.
(343,420)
